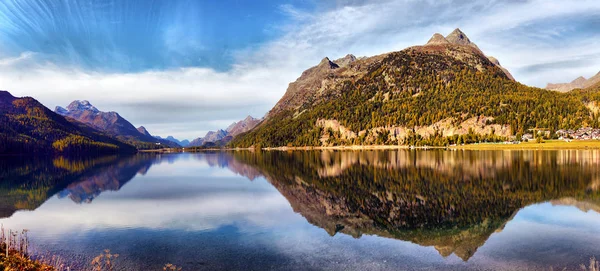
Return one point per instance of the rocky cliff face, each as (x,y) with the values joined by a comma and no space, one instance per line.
(313,81)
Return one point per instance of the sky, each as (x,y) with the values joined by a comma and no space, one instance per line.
(183,67)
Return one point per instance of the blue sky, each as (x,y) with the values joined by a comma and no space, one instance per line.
(139,35)
(183,67)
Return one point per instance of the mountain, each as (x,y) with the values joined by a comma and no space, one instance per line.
(182,143)
(196,142)
(163,142)
(27,127)
(110,123)
(444,92)
(579,82)
(222,137)
(308,85)
(242,126)
(143,131)
(460,38)
(211,136)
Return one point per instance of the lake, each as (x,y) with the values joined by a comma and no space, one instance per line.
(311,210)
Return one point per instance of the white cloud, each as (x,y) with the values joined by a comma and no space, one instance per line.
(202,212)
(185,96)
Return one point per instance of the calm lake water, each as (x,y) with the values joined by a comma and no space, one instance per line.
(321,210)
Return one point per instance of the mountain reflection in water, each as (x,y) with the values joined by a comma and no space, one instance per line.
(451,200)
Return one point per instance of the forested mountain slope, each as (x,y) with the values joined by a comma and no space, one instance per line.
(440,93)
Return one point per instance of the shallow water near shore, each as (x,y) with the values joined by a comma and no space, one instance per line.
(312,210)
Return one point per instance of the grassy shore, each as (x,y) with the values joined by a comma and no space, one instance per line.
(14,255)
(547,145)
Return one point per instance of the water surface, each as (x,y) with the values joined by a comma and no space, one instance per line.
(312,210)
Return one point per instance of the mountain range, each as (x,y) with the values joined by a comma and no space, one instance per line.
(26,126)
(112,124)
(222,137)
(444,92)
(182,143)
(579,83)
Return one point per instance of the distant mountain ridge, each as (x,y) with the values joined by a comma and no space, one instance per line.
(182,143)
(210,137)
(222,137)
(242,126)
(110,123)
(579,82)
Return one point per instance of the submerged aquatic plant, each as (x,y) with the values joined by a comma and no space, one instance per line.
(594,265)
(104,261)
(171,267)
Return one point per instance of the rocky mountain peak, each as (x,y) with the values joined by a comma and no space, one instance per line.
(458,37)
(143,131)
(84,105)
(579,80)
(345,61)
(242,126)
(325,62)
(437,38)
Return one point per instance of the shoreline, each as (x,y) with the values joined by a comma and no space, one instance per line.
(547,145)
